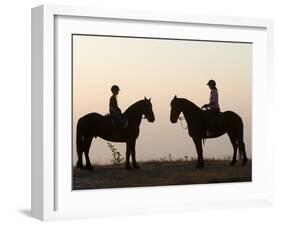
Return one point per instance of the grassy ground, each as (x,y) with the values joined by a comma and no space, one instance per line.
(157,173)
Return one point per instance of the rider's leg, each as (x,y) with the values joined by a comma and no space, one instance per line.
(120,120)
(208,122)
(211,122)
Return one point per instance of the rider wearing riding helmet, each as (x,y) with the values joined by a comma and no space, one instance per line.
(212,108)
(114,110)
(213,104)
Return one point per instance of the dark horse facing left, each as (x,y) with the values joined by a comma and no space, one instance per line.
(229,123)
(96,125)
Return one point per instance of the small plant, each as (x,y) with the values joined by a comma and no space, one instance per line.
(170,158)
(116,155)
(163,159)
(167,159)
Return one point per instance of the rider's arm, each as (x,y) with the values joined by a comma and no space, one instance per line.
(213,98)
(205,106)
(114,105)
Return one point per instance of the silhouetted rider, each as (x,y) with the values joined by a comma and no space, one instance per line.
(114,110)
(212,108)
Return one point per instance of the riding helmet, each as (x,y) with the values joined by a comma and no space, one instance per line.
(115,88)
(211,82)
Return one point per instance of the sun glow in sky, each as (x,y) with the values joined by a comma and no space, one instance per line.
(159,69)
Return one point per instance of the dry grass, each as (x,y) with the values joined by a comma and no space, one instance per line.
(159,173)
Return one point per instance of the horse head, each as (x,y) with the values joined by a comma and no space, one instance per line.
(175,110)
(147,109)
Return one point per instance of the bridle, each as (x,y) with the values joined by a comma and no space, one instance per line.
(183,119)
(182,125)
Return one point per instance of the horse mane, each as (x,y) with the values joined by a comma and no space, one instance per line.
(133,106)
(189,104)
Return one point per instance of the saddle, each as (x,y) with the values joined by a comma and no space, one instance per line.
(212,122)
(117,124)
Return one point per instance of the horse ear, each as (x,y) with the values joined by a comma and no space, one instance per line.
(145,98)
(149,99)
(175,97)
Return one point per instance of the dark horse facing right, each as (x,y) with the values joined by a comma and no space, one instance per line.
(96,125)
(230,123)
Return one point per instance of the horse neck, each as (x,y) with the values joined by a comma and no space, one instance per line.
(134,114)
(190,110)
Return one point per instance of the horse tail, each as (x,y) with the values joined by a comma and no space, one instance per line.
(241,145)
(203,141)
(79,139)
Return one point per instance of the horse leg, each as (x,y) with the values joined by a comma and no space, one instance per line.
(128,153)
(133,146)
(199,149)
(88,142)
(79,147)
(241,146)
(235,146)
(79,163)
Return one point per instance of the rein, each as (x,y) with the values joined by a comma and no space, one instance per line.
(182,126)
(182,119)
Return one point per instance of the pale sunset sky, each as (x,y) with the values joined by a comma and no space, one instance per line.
(159,69)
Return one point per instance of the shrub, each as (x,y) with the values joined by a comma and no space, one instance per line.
(116,155)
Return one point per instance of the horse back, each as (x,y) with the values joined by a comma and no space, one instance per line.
(91,119)
(92,115)
(231,115)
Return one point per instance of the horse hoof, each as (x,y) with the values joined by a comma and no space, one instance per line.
(89,167)
(136,166)
(79,166)
(199,166)
(232,163)
(128,168)
(244,162)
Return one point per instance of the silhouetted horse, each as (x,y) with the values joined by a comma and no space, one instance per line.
(96,125)
(228,122)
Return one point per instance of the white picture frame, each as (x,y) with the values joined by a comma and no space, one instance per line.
(51,197)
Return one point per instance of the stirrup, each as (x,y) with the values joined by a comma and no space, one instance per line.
(209,134)
(125,124)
